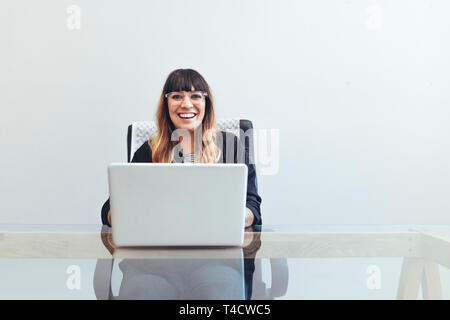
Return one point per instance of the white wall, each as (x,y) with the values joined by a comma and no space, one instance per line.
(358,90)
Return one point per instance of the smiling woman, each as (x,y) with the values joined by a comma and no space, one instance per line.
(185,105)
(187,132)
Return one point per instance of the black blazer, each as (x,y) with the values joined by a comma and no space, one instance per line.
(233,151)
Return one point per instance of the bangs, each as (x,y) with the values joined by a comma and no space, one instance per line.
(185,80)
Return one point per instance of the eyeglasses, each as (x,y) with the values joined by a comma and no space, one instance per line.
(194,96)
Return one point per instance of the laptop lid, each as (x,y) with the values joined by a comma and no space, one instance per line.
(175,204)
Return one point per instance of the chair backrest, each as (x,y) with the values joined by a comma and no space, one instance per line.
(141,131)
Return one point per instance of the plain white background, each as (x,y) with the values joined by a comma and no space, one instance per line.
(357,89)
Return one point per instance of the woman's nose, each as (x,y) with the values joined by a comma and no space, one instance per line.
(186,102)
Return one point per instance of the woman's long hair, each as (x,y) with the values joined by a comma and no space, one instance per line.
(161,144)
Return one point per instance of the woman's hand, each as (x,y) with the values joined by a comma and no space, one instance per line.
(249,217)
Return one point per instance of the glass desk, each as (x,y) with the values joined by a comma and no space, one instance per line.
(276,262)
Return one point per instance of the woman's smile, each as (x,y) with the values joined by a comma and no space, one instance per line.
(187,116)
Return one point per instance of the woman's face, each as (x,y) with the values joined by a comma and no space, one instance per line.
(186,109)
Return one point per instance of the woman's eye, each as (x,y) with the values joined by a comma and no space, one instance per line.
(177,97)
(196,96)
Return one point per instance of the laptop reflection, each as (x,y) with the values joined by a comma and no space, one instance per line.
(167,273)
(180,279)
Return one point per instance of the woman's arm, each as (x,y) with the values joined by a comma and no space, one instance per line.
(253,202)
(106,214)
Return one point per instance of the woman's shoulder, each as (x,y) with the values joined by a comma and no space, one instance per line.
(143,153)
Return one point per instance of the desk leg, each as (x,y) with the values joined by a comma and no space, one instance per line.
(410,278)
(431,282)
(417,271)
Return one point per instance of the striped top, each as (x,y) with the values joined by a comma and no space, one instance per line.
(188,158)
(185,158)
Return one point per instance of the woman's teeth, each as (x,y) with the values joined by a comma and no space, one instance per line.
(186,115)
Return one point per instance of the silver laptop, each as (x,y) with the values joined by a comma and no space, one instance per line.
(177,204)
